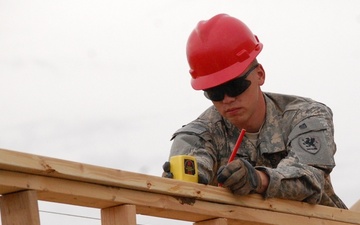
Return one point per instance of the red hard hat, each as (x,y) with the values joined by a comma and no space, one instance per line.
(220,49)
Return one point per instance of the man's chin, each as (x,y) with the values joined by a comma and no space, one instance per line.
(237,121)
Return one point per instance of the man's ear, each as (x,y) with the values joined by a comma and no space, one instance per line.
(261,75)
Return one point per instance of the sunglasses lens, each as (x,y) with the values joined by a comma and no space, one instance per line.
(237,87)
(214,94)
(232,89)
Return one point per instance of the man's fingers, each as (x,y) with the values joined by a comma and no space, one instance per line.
(166,166)
(230,173)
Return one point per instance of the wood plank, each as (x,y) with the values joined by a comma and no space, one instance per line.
(20,208)
(155,204)
(217,221)
(224,221)
(33,164)
(119,215)
(236,222)
(95,195)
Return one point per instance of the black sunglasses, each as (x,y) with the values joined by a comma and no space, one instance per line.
(231,88)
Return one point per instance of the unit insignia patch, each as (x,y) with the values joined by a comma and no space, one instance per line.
(310,144)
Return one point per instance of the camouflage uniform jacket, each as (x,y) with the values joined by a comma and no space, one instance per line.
(295,147)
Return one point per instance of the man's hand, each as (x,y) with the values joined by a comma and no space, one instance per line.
(240,177)
(166,173)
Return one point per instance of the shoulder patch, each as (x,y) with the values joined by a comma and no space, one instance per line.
(308,125)
(310,143)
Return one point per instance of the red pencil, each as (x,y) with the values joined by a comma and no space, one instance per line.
(237,145)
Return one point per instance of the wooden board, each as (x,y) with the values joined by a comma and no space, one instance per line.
(20,208)
(87,185)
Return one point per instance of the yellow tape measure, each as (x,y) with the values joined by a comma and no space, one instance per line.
(184,167)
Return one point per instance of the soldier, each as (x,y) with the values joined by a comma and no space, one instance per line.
(288,148)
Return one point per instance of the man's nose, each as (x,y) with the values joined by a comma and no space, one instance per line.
(228,99)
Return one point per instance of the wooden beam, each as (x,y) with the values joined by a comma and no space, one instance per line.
(20,208)
(166,206)
(119,215)
(87,185)
(217,221)
(56,168)
(224,221)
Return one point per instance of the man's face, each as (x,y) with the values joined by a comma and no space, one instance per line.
(246,110)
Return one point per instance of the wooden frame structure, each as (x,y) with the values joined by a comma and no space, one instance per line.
(120,195)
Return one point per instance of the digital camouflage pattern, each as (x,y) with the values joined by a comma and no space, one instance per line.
(295,147)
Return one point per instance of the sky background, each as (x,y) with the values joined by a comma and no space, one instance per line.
(107,83)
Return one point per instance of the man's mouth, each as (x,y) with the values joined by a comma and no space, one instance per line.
(232,110)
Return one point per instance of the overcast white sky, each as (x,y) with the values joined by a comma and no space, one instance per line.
(106,82)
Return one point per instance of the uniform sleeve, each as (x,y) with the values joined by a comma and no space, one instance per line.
(302,174)
(194,140)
